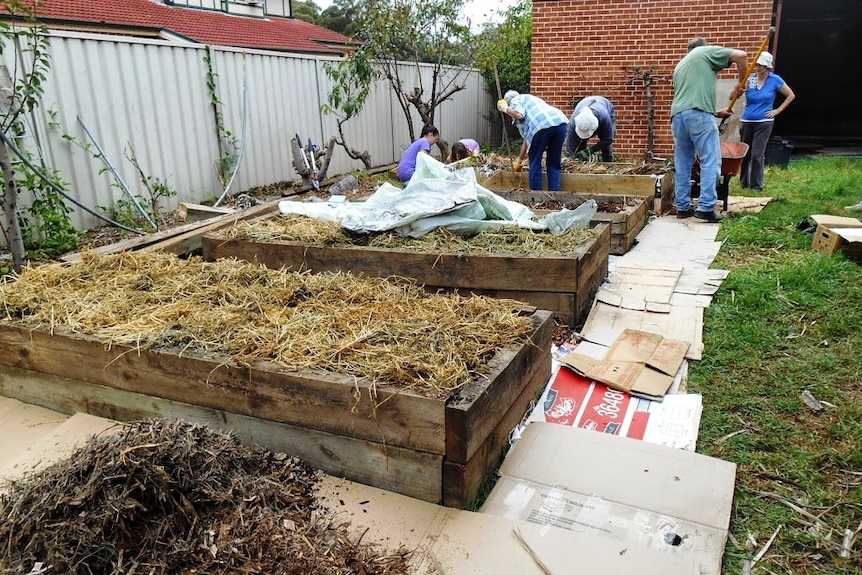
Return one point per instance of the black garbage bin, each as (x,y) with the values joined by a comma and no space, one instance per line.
(778,151)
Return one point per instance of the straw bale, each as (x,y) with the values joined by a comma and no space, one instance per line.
(166,497)
(388,331)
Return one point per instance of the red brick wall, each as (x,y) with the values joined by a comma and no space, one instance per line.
(581,48)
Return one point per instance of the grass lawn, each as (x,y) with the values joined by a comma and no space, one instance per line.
(788,320)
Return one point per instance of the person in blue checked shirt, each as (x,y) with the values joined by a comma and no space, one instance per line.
(543,130)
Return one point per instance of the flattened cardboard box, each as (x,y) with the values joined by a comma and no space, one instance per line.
(445,541)
(638,362)
(572,399)
(673,503)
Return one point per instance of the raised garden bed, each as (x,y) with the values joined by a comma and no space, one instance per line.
(626,215)
(565,285)
(434,443)
(657,187)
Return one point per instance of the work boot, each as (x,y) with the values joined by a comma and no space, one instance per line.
(854,207)
(683,214)
(710,217)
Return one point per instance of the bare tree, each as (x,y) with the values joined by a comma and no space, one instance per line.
(395,32)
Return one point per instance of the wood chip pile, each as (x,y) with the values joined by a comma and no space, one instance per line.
(509,240)
(168,497)
(392,332)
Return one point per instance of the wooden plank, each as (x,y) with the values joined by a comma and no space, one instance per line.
(474,411)
(182,239)
(461,482)
(608,184)
(197,212)
(494,272)
(562,304)
(413,473)
(664,203)
(310,398)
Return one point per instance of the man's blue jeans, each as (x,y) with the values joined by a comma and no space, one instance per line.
(549,142)
(695,132)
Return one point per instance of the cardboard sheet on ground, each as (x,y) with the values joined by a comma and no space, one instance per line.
(695,288)
(668,240)
(607,534)
(574,400)
(641,363)
(639,286)
(672,502)
(654,287)
(605,323)
(746,204)
(438,196)
(442,541)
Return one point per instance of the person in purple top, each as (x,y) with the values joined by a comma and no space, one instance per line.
(543,130)
(593,116)
(463,149)
(407,165)
(758,117)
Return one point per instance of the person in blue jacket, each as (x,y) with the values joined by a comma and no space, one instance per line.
(593,116)
(407,165)
(758,118)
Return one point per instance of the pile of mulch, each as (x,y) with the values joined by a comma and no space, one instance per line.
(509,240)
(604,206)
(164,497)
(389,332)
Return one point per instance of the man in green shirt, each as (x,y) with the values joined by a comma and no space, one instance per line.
(693,112)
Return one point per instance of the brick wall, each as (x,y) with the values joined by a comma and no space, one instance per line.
(582,48)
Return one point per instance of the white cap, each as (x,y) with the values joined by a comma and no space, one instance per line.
(509,95)
(586,123)
(765,59)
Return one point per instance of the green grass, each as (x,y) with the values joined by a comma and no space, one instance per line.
(788,319)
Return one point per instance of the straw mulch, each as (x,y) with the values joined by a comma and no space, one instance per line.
(169,497)
(509,240)
(389,332)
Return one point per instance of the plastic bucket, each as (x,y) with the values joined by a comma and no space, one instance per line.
(778,151)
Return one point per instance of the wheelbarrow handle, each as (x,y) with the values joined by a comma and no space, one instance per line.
(740,88)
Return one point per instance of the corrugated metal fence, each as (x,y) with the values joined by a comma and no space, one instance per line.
(149,100)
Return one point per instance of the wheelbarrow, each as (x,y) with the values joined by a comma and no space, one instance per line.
(732,154)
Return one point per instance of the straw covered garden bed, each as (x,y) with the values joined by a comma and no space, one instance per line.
(390,332)
(164,497)
(510,240)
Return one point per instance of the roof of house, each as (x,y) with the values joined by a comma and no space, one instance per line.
(205,26)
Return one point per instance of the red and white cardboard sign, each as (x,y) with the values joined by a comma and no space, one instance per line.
(576,401)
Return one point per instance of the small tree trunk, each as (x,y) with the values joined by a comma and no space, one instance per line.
(650,116)
(11,226)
